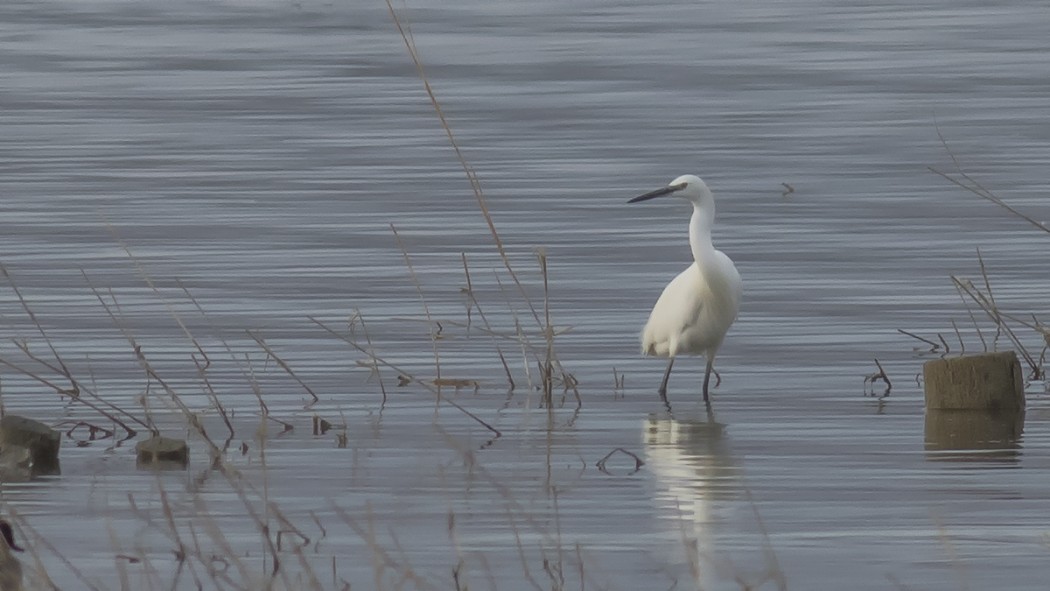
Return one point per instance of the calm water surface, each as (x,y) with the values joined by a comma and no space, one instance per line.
(257,153)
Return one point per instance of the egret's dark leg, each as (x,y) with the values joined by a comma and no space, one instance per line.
(707,377)
(718,377)
(667,376)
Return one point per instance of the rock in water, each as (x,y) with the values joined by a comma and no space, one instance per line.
(162,452)
(42,441)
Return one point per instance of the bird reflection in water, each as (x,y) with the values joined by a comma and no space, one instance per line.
(690,459)
(701,495)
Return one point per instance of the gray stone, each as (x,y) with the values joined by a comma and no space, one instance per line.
(42,441)
(16,465)
(162,452)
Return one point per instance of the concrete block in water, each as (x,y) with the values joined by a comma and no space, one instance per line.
(42,441)
(989,382)
(162,452)
(16,465)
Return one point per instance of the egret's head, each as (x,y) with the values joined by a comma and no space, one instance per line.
(688,186)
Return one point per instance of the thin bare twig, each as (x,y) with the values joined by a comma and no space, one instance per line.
(976,188)
(422,298)
(472,177)
(280,362)
(933,346)
(879,375)
(376,359)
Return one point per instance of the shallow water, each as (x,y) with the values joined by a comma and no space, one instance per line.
(256,153)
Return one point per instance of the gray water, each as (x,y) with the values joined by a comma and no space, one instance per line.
(257,153)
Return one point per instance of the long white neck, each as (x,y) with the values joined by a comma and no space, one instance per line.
(700,234)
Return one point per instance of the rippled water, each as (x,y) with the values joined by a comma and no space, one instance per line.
(257,153)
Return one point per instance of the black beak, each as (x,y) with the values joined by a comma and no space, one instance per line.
(658,193)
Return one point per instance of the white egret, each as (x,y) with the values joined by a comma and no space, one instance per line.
(697,307)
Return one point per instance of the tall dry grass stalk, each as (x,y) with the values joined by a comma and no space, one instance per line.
(977,300)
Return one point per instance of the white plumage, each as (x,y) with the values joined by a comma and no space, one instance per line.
(698,306)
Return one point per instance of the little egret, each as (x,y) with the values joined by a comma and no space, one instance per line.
(699,305)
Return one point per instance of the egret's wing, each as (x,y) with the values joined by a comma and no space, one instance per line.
(676,313)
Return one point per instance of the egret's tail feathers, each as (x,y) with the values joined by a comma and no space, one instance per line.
(654,348)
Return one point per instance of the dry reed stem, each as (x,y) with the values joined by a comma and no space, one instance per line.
(976,188)
(548,338)
(523,340)
(149,281)
(519,336)
(980,191)
(371,348)
(933,346)
(178,319)
(472,299)
(986,301)
(472,178)
(74,393)
(246,370)
(506,369)
(991,301)
(969,311)
(213,396)
(547,366)
(989,308)
(241,488)
(202,368)
(281,363)
(958,335)
(381,557)
(468,290)
(153,376)
(216,536)
(30,533)
(257,390)
(379,360)
(879,375)
(422,298)
(32,317)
